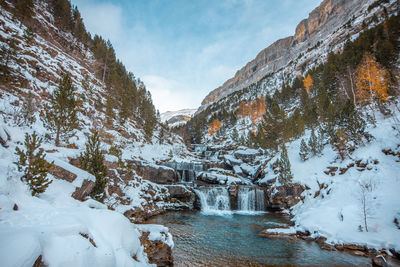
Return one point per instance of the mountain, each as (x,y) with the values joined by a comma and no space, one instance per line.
(325,29)
(177,118)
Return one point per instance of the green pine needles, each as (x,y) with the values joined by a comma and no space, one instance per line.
(92,160)
(33,164)
(61,114)
(285,176)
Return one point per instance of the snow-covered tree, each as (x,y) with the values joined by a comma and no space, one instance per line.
(304,150)
(285,173)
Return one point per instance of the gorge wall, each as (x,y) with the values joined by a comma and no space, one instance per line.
(321,23)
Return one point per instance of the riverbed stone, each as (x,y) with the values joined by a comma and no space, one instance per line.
(157,252)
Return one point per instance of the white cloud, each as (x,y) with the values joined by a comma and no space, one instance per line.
(169,95)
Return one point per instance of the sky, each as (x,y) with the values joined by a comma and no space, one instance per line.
(183,49)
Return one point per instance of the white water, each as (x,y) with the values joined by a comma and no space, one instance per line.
(250,199)
(214,200)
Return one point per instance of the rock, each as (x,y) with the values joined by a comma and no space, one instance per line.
(75,162)
(395,253)
(285,197)
(39,262)
(328,247)
(247,155)
(15,207)
(61,173)
(158,252)
(81,193)
(157,174)
(379,261)
(184,194)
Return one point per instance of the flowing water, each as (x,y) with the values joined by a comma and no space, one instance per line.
(233,240)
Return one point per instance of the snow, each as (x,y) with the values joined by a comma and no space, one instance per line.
(157,232)
(53,224)
(337,212)
(170,114)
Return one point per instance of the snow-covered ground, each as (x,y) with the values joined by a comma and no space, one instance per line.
(336,211)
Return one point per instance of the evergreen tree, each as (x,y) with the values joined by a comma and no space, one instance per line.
(313,143)
(61,115)
(33,164)
(304,150)
(285,173)
(92,160)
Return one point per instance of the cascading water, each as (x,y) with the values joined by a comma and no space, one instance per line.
(214,200)
(250,199)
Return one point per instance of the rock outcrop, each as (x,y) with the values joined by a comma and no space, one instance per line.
(322,21)
(157,251)
(156,174)
(284,197)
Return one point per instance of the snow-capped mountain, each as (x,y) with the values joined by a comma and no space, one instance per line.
(177,118)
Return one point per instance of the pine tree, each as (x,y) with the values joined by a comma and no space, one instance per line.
(304,150)
(313,143)
(61,115)
(33,164)
(92,160)
(285,173)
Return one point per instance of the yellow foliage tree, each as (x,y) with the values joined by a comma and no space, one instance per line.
(214,127)
(372,81)
(308,82)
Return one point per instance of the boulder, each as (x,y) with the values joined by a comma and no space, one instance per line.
(379,261)
(247,155)
(63,174)
(81,193)
(183,194)
(286,196)
(157,174)
(158,252)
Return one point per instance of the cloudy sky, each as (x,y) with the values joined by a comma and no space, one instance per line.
(183,49)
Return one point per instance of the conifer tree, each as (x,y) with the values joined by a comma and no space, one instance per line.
(304,150)
(92,160)
(313,143)
(285,173)
(61,115)
(33,164)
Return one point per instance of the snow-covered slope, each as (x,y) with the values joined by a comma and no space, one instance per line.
(55,228)
(177,118)
(333,206)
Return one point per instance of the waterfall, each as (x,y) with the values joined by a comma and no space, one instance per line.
(250,199)
(214,200)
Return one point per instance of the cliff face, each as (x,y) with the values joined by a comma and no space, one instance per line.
(330,15)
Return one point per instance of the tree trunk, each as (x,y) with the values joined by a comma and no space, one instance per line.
(58,137)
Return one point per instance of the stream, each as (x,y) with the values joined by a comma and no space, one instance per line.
(231,239)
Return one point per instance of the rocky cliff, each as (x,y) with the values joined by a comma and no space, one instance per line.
(329,16)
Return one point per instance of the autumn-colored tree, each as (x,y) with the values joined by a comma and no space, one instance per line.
(308,82)
(214,127)
(372,81)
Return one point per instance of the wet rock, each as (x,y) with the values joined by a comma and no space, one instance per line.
(395,253)
(379,261)
(183,194)
(81,193)
(63,174)
(158,252)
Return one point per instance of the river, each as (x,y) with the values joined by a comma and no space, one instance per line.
(233,240)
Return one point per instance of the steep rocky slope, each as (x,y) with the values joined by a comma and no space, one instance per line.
(326,28)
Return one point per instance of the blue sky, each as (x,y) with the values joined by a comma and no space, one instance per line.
(183,49)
